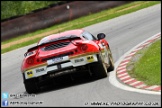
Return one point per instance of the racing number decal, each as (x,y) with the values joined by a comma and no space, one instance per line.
(90,58)
(30,73)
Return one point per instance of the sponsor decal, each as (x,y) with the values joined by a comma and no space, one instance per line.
(79,60)
(90,58)
(55,60)
(29,73)
(39,70)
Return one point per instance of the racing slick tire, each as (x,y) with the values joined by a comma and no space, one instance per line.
(111,62)
(31,86)
(99,69)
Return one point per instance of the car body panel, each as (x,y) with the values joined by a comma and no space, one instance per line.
(46,58)
(53,65)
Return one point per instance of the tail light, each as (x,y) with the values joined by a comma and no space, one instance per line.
(83,47)
(30,60)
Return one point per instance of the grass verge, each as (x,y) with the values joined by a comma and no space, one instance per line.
(81,22)
(12,8)
(148,67)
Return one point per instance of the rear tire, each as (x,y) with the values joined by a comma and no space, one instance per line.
(99,68)
(31,86)
(111,62)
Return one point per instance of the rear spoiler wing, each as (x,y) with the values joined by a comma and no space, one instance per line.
(32,48)
(54,40)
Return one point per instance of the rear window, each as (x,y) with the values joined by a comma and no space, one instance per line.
(47,40)
(44,40)
(88,36)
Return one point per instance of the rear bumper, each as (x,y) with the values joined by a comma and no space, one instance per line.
(67,66)
(62,76)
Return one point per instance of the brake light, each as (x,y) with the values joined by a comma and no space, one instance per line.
(30,60)
(84,47)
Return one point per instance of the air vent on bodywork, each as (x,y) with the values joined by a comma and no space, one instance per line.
(55,46)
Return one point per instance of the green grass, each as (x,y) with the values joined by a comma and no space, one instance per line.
(14,8)
(81,22)
(148,67)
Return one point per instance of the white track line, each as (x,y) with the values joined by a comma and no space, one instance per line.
(114,81)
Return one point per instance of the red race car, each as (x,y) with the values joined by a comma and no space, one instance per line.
(66,53)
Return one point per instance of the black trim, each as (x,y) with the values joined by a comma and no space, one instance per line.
(32,48)
(23,74)
(26,80)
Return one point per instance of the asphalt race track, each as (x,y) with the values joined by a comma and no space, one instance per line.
(123,33)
